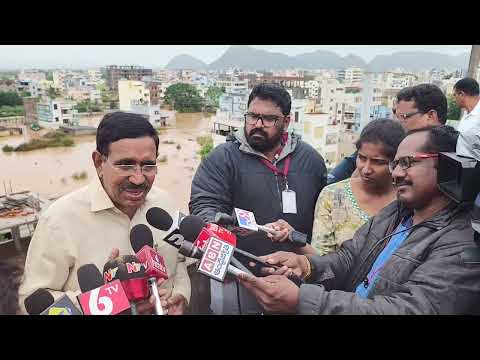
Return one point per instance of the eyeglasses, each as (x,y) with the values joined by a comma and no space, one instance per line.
(405,116)
(267,120)
(406,162)
(130,170)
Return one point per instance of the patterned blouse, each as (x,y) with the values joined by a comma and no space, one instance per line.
(337,217)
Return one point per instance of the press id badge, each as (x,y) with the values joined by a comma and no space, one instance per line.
(289,200)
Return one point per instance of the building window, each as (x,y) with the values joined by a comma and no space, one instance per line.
(296,116)
(55,107)
(56,119)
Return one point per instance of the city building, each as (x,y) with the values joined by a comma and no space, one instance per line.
(54,113)
(115,73)
(156,116)
(132,92)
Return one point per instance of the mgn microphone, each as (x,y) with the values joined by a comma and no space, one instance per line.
(161,220)
(141,239)
(131,274)
(41,302)
(98,298)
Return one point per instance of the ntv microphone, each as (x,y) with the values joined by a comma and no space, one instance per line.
(161,220)
(141,239)
(41,302)
(98,298)
(131,273)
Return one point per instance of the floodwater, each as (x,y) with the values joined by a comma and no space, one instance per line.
(50,171)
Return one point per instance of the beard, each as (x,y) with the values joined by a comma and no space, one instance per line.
(263,143)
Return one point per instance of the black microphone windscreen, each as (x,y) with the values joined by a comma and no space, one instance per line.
(191,226)
(38,301)
(119,270)
(159,218)
(89,277)
(140,235)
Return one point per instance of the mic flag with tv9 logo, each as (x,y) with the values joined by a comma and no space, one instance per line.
(216,258)
(246,219)
(63,306)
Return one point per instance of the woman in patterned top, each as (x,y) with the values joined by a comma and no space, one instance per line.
(343,207)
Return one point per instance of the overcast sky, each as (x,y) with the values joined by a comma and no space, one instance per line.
(157,56)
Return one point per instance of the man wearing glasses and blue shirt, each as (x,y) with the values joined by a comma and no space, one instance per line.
(408,259)
(416,107)
(262,169)
(86,225)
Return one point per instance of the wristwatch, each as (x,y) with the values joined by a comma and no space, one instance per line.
(297,238)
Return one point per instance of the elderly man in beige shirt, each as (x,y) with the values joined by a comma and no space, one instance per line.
(90,224)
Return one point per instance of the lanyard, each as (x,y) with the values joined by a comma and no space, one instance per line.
(277,171)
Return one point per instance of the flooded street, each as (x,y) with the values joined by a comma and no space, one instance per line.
(50,171)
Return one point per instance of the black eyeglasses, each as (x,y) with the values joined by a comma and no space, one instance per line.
(406,162)
(405,116)
(267,120)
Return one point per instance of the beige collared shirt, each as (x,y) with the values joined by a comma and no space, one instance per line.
(83,227)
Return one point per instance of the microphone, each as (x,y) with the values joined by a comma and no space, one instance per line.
(41,302)
(38,301)
(141,239)
(212,263)
(195,230)
(246,220)
(98,298)
(131,274)
(161,220)
(191,228)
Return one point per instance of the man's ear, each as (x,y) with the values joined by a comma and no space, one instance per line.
(97,162)
(433,119)
(287,121)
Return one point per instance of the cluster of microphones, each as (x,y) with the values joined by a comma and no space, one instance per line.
(131,279)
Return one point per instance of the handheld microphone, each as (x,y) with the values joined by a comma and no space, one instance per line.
(38,301)
(141,239)
(131,274)
(161,220)
(98,298)
(213,263)
(195,230)
(190,229)
(41,302)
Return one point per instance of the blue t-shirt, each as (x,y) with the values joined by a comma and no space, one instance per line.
(392,246)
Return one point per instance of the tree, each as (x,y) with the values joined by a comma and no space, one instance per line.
(213,95)
(454,110)
(183,98)
(53,93)
(10,98)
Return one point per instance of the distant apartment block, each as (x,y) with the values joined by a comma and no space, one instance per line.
(31,75)
(54,113)
(132,93)
(115,73)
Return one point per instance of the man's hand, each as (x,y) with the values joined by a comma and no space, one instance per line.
(289,262)
(283,229)
(275,293)
(147,307)
(177,305)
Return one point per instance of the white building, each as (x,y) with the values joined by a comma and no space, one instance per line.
(34,75)
(354,75)
(398,81)
(313,87)
(156,116)
(54,113)
(322,135)
(94,75)
(132,92)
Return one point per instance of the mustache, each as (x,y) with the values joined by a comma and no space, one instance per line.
(131,186)
(400,182)
(260,131)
